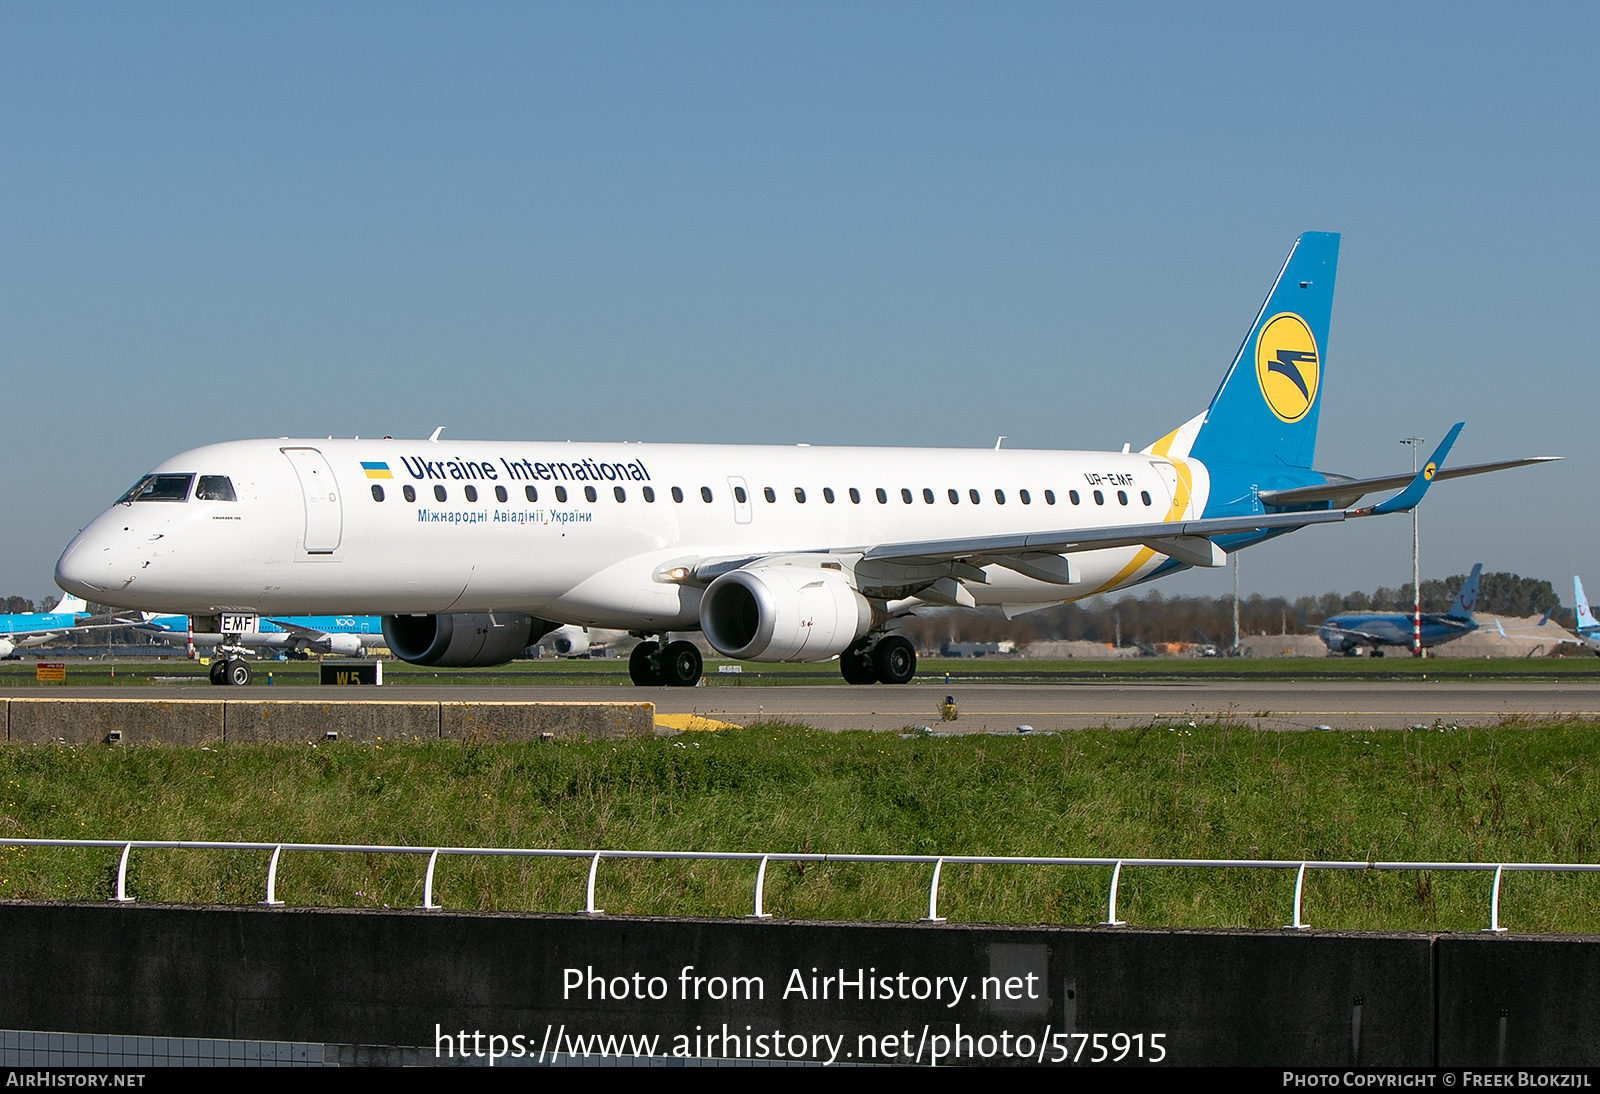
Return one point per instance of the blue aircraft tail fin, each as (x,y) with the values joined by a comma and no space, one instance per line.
(1586,622)
(1467,598)
(1265,412)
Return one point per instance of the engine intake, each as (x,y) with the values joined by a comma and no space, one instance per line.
(458,641)
(783,613)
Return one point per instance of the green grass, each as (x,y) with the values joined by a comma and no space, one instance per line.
(614,671)
(1514,793)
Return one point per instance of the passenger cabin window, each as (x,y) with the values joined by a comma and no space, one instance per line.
(770,494)
(500,494)
(159,488)
(955,497)
(531,493)
(377,492)
(1049,497)
(619,493)
(800,495)
(1099,498)
(438,493)
(472,493)
(1072,496)
(677,493)
(827,494)
(649,493)
(905,495)
(409,492)
(561,493)
(927,495)
(1144,496)
(973,494)
(216,488)
(999,497)
(589,494)
(1122,497)
(705,494)
(739,495)
(1022,496)
(883,498)
(855,496)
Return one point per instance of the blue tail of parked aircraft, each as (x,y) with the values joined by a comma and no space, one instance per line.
(1586,622)
(1265,413)
(1467,599)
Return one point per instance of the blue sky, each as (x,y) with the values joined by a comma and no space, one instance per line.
(834,223)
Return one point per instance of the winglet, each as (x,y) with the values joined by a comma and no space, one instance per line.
(1408,498)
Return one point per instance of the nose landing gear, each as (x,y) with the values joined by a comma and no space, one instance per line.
(234,671)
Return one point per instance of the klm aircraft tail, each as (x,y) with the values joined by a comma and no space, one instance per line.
(1265,413)
(1586,622)
(1467,598)
(70,603)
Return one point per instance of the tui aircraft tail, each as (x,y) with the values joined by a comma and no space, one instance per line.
(1586,621)
(1265,413)
(1467,598)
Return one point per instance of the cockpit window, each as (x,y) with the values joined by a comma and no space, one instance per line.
(214,488)
(159,488)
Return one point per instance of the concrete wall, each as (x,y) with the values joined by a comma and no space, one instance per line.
(193,721)
(90,721)
(395,977)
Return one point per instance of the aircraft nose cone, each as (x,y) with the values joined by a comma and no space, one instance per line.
(83,567)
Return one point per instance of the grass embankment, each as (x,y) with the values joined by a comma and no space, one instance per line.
(1506,794)
(614,671)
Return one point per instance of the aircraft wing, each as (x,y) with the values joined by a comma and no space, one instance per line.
(1193,534)
(295,630)
(1187,541)
(1357,632)
(1347,491)
(1037,554)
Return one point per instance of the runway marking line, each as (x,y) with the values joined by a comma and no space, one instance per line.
(692,723)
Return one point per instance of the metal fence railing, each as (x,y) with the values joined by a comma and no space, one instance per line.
(938,863)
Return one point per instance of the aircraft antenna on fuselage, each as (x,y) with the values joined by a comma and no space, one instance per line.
(434,436)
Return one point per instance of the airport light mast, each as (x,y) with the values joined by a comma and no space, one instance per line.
(1416,566)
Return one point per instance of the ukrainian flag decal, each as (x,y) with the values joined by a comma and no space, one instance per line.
(1287,368)
(376,469)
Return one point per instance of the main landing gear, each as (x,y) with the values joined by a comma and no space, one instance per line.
(892,661)
(233,671)
(676,666)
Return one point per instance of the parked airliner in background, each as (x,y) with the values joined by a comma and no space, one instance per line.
(234,634)
(568,641)
(1586,630)
(25,630)
(1348,633)
(473,550)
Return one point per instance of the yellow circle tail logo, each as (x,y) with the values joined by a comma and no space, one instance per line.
(1429,470)
(1287,368)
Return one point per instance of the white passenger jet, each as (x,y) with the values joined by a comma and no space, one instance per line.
(471,550)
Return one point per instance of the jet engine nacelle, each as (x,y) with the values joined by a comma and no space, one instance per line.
(456,641)
(7,648)
(344,645)
(783,613)
(569,641)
